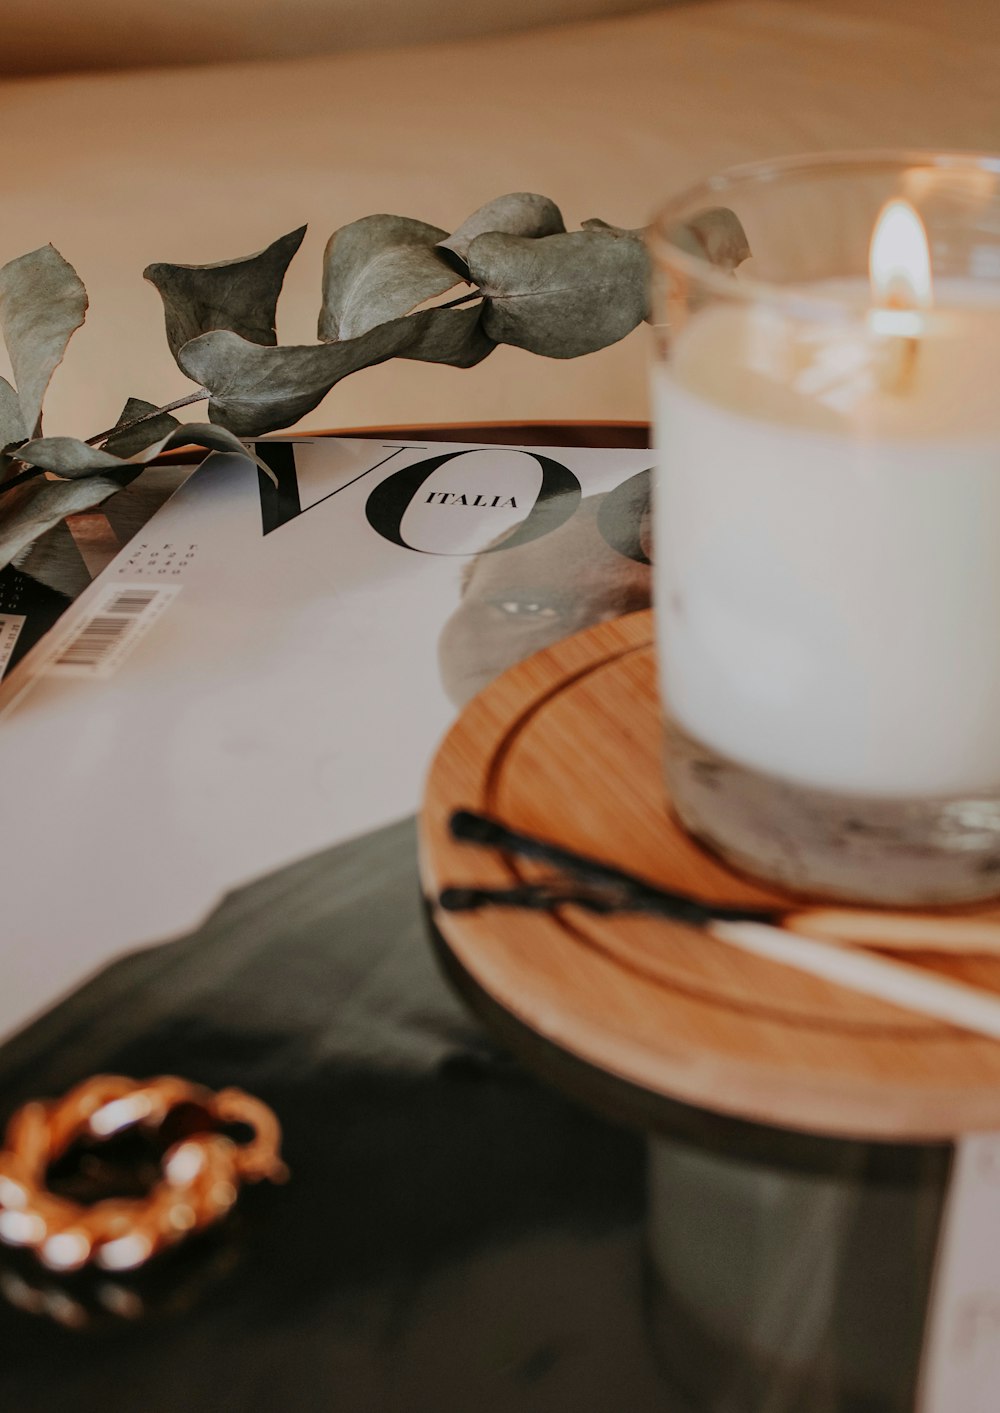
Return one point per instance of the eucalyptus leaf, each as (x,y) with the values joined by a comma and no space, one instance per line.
(132,434)
(240,295)
(596,224)
(68,457)
(54,559)
(30,509)
(202,434)
(11,428)
(377,269)
(520,213)
(213,438)
(715,235)
(42,304)
(257,390)
(11,421)
(73,459)
(452,336)
(560,295)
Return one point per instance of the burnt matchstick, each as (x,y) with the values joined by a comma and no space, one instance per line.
(608,889)
(787,936)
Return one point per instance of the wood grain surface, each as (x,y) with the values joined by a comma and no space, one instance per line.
(567,746)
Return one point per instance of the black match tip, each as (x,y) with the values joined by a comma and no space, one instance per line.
(459,900)
(472,827)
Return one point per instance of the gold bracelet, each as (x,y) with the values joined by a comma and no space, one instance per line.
(200,1174)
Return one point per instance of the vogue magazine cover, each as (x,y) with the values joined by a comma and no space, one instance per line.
(267,666)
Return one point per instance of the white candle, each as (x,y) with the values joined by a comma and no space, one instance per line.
(828,541)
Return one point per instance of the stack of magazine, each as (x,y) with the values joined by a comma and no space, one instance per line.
(266,668)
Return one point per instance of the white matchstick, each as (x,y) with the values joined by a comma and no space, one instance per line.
(899,983)
(968,935)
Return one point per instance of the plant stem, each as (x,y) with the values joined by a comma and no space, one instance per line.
(462,299)
(30,473)
(198,396)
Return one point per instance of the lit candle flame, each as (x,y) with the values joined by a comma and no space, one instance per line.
(900,259)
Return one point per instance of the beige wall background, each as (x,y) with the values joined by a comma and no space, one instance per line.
(606,117)
(49,36)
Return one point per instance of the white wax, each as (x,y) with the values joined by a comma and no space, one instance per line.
(828,551)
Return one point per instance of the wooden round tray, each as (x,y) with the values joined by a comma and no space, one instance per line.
(567,746)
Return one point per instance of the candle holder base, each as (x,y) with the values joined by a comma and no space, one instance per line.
(930,852)
(636,1011)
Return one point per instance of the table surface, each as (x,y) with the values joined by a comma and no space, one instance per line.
(457,1236)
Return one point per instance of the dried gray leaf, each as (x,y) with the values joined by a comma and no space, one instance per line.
(452,336)
(28,510)
(257,390)
(73,459)
(42,304)
(239,295)
(715,235)
(131,511)
(520,213)
(11,421)
(68,457)
(36,506)
(378,269)
(596,224)
(54,559)
(132,434)
(204,434)
(560,295)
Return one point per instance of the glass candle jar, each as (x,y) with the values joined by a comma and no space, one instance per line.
(827,517)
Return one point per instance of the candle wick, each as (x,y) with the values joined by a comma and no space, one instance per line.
(901,352)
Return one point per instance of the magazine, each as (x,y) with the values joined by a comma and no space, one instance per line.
(28,609)
(266,668)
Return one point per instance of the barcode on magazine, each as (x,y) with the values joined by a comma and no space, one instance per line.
(99,644)
(10,630)
(131,601)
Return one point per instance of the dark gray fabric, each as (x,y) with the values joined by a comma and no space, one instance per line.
(455,1236)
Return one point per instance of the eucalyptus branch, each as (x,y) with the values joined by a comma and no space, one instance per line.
(530,283)
(198,396)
